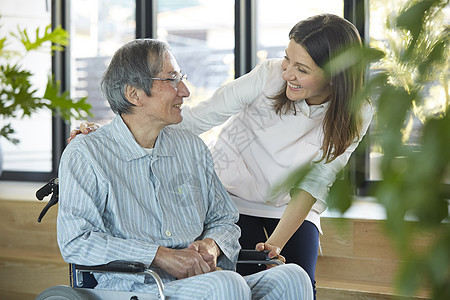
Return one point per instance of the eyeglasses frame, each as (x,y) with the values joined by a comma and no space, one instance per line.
(173,81)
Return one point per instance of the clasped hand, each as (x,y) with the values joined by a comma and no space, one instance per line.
(199,257)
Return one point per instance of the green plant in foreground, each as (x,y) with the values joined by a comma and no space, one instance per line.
(412,77)
(414,189)
(18,97)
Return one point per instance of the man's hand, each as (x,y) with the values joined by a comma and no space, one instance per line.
(180,263)
(85,128)
(209,251)
(274,252)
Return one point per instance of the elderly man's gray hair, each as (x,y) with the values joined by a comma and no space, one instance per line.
(133,64)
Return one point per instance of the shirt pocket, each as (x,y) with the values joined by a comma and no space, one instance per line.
(188,208)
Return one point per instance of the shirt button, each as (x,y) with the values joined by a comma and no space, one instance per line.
(168,233)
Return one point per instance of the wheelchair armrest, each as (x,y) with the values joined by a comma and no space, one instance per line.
(118,266)
(257,257)
(121,266)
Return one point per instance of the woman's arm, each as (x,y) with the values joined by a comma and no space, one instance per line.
(228,100)
(314,187)
(294,215)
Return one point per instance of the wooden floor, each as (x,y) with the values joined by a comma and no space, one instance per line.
(357,261)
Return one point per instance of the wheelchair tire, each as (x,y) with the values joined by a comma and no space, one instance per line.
(61,292)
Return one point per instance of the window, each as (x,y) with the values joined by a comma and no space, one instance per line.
(201,34)
(34,152)
(380,11)
(276,18)
(210,39)
(96,33)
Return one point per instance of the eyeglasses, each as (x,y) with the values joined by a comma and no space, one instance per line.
(174,81)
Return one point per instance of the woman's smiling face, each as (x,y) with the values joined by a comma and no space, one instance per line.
(304,78)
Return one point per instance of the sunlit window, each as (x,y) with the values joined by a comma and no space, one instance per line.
(201,34)
(33,153)
(96,33)
(382,12)
(276,18)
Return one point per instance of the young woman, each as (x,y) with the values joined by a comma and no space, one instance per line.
(286,113)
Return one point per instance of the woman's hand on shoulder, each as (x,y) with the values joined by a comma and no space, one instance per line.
(85,128)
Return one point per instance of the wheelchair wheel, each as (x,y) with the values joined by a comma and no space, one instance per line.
(61,292)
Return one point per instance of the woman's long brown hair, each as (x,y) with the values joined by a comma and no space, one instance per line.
(324,36)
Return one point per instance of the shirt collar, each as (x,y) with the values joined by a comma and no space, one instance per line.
(311,111)
(130,148)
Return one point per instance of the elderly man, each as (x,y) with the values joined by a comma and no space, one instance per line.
(138,190)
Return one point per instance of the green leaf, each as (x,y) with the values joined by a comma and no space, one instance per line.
(341,196)
(412,18)
(63,104)
(437,55)
(293,180)
(6,131)
(410,276)
(17,94)
(353,56)
(59,37)
(2,45)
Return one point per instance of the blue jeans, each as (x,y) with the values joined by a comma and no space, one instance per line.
(301,249)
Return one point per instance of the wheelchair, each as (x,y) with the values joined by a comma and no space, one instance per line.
(82,280)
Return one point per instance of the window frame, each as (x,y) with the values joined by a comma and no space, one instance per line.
(358,167)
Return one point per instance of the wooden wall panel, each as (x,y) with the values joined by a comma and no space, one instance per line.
(352,269)
(337,238)
(30,260)
(371,241)
(20,229)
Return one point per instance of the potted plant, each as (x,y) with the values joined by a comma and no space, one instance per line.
(18,97)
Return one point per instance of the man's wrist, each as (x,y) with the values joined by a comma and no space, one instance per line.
(160,256)
(214,246)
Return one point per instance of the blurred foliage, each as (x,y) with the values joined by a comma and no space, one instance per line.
(18,96)
(409,77)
